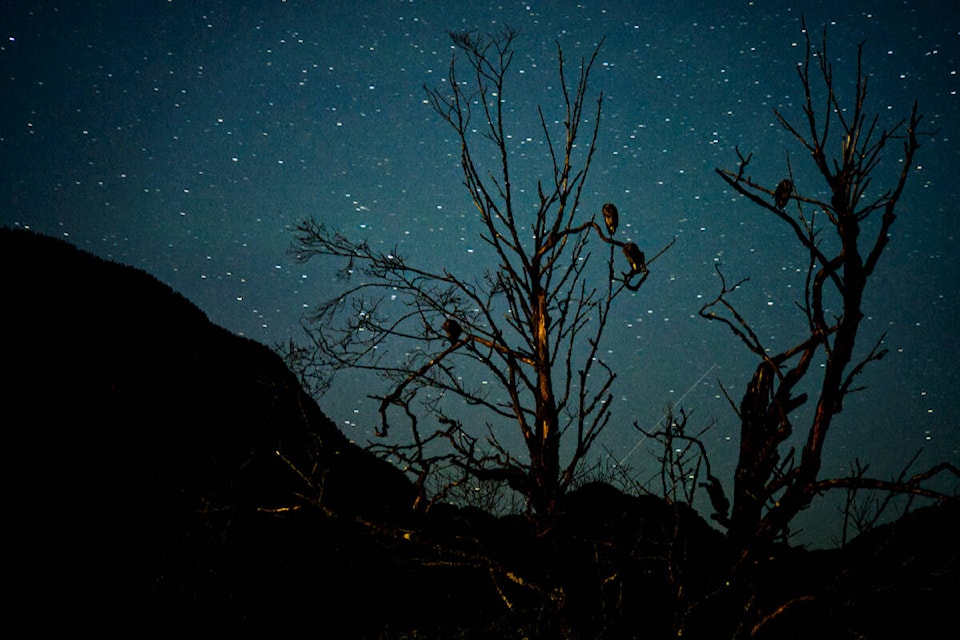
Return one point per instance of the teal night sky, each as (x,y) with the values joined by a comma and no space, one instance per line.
(187,138)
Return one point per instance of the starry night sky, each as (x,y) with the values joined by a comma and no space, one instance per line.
(187,138)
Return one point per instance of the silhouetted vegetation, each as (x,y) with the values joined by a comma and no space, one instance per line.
(552,303)
(165,473)
(844,243)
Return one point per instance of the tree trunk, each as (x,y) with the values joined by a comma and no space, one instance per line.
(545,450)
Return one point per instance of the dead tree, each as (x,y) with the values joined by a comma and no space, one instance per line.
(844,236)
(531,323)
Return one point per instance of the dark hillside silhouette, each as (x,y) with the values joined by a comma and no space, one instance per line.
(138,434)
(144,491)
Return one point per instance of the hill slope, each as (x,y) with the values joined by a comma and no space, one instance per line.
(142,440)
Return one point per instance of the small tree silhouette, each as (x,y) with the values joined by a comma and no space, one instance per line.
(533,324)
(844,242)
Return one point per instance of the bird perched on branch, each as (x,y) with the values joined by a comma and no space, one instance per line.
(611,217)
(782,195)
(453,330)
(638,262)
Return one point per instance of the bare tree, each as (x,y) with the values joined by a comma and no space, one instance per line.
(844,237)
(682,461)
(532,322)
